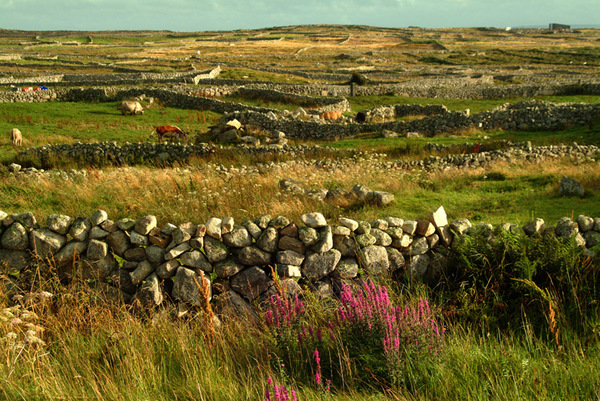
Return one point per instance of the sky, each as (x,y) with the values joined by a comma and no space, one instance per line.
(208,15)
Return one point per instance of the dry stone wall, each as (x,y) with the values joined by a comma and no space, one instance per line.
(142,260)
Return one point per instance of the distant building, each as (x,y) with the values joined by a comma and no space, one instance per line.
(560,27)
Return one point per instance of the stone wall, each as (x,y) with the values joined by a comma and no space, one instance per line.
(528,115)
(150,262)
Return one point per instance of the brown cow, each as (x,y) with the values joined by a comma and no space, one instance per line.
(16,137)
(170,131)
(331,115)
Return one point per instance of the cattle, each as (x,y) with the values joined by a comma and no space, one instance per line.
(131,107)
(170,131)
(16,137)
(331,115)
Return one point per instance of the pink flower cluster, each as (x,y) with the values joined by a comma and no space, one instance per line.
(402,326)
(282,311)
(280,393)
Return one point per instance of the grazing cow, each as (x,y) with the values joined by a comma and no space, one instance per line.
(331,115)
(170,131)
(131,107)
(16,137)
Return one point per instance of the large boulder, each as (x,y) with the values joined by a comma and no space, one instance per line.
(570,187)
(187,287)
(319,265)
(15,237)
(46,242)
(250,282)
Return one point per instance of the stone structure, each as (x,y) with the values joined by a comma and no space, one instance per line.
(146,262)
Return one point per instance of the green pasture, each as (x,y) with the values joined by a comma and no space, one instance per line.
(67,122)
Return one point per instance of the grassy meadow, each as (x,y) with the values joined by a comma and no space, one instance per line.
(514,319)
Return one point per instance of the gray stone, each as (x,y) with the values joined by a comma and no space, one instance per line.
(96,250)
(566,228)
(138,239)
(59,223)
(351,224)
(250,282)
(12,261)
(180,235)
(460,226)
(98,233)
(409,227)
(155,254)
(252,228)
(227,225)
(178,250)
(125,223)
(586,223)
(99,217)
(213,228)
(592,238)
(279,222)
(168,229)
(293,244)
(253,256)
(419,246)
(285,270)
(396,259)
(227,268)
(345,244)
(291,230)
(15,237)
(263,221)
(347,268)
(70,253)
(216,251)
(360,192)
(135,254)
(290,257)
(118,241)
(143,270)
(597,224)
(46,242)
(395,232)
(238,237)
(394,222)
(27,219)
(318,265)
(325,242)
(381,237)
(363,227)
(364,240)
(188,287)
(80,229)
(439,217)
(418,266)
(375,259)
(535,227)
(424,228)
(197,243)
(314,220)
(230,304)
(145,225)
(150,294)
(570,187)
(380,198)
(379,224)
(196,260)
(341,230)
(168,269)
(403,242)
(308,235)
(269,239)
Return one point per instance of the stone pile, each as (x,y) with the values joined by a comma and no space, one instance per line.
(141,261)
(359,193)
